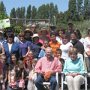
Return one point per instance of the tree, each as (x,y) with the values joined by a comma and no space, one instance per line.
(79,6)
(18,13)
(13,13)
(3,13)
(34,12)
(22,12)
(28,14)
(87,9)
(73,13)
(42,12)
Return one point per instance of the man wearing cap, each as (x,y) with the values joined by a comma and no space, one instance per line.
(28,34)
(44,34)
(36,46)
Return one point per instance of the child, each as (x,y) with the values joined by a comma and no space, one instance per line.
(20,75)
(58,55)
(11,78)
(5,70)
(32,76)
(27,67)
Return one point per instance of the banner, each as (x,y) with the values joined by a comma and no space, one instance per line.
(4,23)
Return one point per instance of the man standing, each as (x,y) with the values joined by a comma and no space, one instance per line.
(46,68)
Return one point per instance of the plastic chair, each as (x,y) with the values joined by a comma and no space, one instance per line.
(48,83)
(85,75)
(64,82)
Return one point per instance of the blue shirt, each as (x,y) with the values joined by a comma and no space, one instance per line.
(23,48)
(42,53)
(76,66)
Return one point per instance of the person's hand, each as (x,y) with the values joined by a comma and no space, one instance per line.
(30,78)
(47,75)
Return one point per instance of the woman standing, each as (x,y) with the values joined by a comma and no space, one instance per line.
(23,45)
(65,46)
(10,48)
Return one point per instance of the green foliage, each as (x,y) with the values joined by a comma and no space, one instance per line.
(3,14)
(34,12)
(13,13)
(87,9)
(78,12)
(18,29)
(28,15)
(82,26)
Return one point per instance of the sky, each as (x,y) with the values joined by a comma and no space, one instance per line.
(9,4)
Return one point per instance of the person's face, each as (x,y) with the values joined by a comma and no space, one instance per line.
(58,54)
(70,27)
(44,32)
(73,56)
(21,38)
(73,37)
(27,61)
(10,40)
(53,37)
(13,58)
(65,40)
(34,63)
(46,44)
(36,39)
(27,35)
(48,52)
(60,33)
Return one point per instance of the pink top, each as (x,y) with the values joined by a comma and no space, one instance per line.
(43,65)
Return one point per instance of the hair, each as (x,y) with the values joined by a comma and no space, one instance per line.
(25,60)
(72,50)
(59,50)
(11,35)
(21,34)
(74,33)
(65,36)
(34,60)
(78,34)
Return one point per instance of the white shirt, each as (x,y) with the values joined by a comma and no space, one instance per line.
(87,45)
(9,46)
(65,48)
(59,39)
(82,40)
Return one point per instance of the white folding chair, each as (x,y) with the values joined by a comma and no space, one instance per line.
(64,82)
(48,83)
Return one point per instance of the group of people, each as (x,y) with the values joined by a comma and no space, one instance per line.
(43,53)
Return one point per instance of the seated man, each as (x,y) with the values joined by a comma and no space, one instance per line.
(46,68)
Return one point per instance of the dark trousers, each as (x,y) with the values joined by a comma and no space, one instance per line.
(40,79)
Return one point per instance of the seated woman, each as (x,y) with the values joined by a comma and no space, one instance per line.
(74,70)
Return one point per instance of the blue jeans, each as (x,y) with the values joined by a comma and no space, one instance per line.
(40,79)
